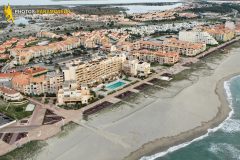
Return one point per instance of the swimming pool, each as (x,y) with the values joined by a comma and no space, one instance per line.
(115,85)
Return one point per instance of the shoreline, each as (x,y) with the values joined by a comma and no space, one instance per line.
(165,144)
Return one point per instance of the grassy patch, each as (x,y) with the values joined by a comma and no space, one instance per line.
(46,101)
(103,90)
(38,98)
(127,79)
(155,64)
(72,106)
(14,111)
(27,151)
(182,75)
(66,129)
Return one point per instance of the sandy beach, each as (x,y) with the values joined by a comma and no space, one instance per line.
(149,124)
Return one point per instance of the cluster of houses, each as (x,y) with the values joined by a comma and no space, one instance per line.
(7,44)
(31,81)
(93,39)
(132,58)
(24,55)
(210,35)
(9,94)
(15,43)
(164,15)
(119,18)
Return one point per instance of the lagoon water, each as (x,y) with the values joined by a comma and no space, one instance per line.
(223,144)
(143,8)
(131,8)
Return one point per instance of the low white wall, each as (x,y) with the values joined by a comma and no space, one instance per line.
(7,124)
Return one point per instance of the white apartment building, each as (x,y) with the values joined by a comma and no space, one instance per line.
(230,25)
(70,93)
(53,82)
(96,71)
(197,37)
(9,94)
(136,68)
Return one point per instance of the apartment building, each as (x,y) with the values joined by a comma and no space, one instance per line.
(37,81)
(183,47)
(125,46)
(172,45)
(70,93)
(9,94)
(154,56)
(197,37)
(93,39)
(46,34)
(230,25)
(154,16)
(2,50)
(136,68)
(221,33)
(27,84)
(6,78)
(53,82)
(24,55)
(95,71)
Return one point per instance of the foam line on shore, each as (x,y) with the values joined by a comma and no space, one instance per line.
(226,86)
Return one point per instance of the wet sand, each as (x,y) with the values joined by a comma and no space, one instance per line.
(134,129)
(162,144)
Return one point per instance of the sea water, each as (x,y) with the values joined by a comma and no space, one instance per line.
(220,143)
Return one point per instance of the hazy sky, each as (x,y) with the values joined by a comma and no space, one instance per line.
(50,2)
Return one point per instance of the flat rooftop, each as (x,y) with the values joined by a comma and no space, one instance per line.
(4,119)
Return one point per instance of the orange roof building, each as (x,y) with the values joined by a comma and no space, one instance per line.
(154,56)
(172,45)
(34,71)
(9,94)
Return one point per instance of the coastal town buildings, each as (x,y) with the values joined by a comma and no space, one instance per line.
(154,16)
(95,71)
(183,47)
(2,50)
(172,45)
(93,39)
(36,81)
(220,33)
(28,85)
(24,55)
(136,68)
(53,82)
(7,44)
(6,78)
(71,93)
(197,37)
(230,25)
(169,58)
(45,34)
(9,94)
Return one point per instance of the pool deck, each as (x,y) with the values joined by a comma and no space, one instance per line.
(123,84)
